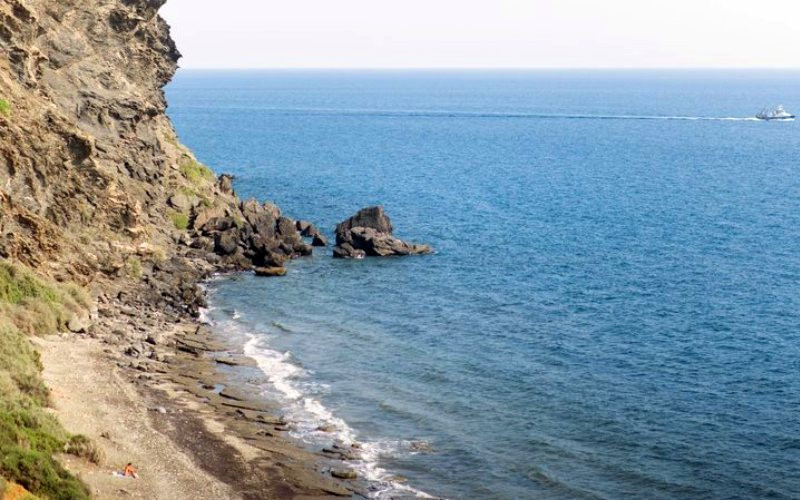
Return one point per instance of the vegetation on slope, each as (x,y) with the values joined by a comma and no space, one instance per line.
(5,107)
(29,436)
(195,172)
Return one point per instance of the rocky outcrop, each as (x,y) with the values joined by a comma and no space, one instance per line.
(369,233)
(246,236)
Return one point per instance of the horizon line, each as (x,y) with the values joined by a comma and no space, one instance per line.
(492,68)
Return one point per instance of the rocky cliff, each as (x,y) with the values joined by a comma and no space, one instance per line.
(87,155)
(93,181)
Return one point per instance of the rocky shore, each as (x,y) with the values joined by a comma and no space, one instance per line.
(176,375)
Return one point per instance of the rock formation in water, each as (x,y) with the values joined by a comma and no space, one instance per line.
(369,233)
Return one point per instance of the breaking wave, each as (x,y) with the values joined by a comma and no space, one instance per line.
(310,420)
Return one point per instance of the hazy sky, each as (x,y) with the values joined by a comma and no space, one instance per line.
(486,33)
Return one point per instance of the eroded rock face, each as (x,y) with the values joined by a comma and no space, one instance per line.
(87,143)
(369,233)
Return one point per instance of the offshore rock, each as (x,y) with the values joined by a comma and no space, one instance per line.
(369,233)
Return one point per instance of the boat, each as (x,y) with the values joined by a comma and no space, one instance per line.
(778,113)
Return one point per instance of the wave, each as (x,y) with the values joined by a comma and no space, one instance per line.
(282,327)
(315,424)
(468,114)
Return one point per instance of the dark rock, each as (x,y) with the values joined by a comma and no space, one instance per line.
(287,230)
(369,233)
(225,184)
(346,251)
(227,243)
(303,226)
(319,241)
(372,217)
(303,249)
(273,259)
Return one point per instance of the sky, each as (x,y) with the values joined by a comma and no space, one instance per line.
(486,33)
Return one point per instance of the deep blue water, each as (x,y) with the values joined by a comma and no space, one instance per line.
(614,308)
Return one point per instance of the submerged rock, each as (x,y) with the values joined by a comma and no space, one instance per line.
(270,271)
(369,233)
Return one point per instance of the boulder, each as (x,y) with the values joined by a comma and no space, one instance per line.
(79,324)
(347,251)
(287,230)
(310,231)
(204,215)
(225,184)
(181,202)
(303,249)
(344,474)
(319,241)
(369,233)
(270,271)
(372,217)
(226,243)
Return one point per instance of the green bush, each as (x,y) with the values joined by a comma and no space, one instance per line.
(133,266)
(195,172)
(180,221)
(5,107)
(17,284)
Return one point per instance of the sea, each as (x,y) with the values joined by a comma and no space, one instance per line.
(613,308)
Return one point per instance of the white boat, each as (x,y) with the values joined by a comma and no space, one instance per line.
(778,113)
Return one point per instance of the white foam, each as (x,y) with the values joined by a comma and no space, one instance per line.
(308,416)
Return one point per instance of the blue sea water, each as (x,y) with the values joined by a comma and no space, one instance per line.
(613,310)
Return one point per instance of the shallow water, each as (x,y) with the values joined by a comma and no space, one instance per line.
(613,308)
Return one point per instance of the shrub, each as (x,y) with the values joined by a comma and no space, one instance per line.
(5,107)
(81,446)
(195,172)
(180,220)
(29,436)
(133,266)
(17,284)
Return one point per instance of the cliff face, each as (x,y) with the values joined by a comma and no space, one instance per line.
(93,181)
(87,154)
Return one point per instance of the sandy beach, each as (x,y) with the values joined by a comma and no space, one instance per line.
(174,416)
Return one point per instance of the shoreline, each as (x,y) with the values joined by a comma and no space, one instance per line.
(310,422)
(150,388)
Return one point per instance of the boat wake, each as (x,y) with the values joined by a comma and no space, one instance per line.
(468,114)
